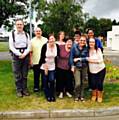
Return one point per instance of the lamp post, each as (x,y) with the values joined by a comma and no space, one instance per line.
(30,16)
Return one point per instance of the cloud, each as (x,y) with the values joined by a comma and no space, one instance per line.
(102,8)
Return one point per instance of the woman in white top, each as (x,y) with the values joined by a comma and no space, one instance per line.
(97,70)
(47,63)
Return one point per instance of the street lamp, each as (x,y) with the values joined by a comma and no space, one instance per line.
(30,16)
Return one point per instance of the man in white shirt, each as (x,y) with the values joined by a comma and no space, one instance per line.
(19,45)
(36,45)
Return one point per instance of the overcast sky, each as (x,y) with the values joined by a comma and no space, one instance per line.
(103,8)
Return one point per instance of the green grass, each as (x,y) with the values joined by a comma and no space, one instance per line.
(4,46)
(9,101)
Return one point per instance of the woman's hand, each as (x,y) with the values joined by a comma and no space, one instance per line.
(77,59)
(73,69)
(45,66)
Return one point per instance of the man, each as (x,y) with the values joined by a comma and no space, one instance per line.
(98,42)
(19,45)
(36,44)
(77,36)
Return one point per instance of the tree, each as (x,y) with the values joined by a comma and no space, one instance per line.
(114,22)
(105,25)
(10,8)
(61,15)
(93,23)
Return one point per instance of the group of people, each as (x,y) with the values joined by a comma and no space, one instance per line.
(61,65)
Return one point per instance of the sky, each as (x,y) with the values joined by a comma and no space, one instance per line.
(102,8)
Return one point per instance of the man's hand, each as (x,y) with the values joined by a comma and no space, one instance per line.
(22,56)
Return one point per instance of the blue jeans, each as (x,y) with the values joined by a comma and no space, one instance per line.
(49,83)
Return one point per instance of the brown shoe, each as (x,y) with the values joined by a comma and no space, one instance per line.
(94,95)
(19,94)
(100,96)
(26,93)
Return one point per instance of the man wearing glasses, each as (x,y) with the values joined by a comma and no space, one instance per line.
(78,62)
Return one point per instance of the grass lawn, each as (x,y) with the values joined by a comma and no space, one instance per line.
(4,46)
(9,101)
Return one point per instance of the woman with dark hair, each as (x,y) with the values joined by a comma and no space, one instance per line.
(97,70)
(61,37)
(49,54)
(64,76)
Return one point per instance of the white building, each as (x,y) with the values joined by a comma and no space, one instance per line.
(113,38)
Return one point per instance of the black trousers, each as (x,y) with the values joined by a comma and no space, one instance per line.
(37,73)
(97,80)
(64,80)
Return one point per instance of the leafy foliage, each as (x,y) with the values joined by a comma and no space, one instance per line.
(60,15)
(10,8)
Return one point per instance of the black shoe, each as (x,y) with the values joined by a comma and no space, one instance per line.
(48,99)
(36,90)
(53,99)
(19,94)
(26,93)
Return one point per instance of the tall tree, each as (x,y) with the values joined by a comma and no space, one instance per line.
(105,25)
(61,14)
(10,8)
(94,24)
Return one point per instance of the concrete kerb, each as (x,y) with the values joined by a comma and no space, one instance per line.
(77,113)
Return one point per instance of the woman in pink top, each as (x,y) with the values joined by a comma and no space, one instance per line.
(64,81)
(97,70)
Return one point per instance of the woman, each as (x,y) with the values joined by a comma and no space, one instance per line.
(97,70)
(78,62)
(61,36)
(47,62)
(64,81)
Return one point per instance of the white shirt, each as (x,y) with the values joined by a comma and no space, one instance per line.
(50,58)
(21,41)
(98,57)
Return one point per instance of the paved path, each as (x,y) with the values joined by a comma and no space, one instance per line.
(81,118)
(112,55)
(5,56)
(73,114)
(108,54)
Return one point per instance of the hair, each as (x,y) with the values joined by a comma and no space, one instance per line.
(19,19)
(68,38)
(51,34)
(59,34)
(96,47)
(89,30)
(77,32)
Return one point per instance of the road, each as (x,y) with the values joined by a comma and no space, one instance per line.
(108,54)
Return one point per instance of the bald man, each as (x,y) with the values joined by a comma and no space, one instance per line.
(36,44)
